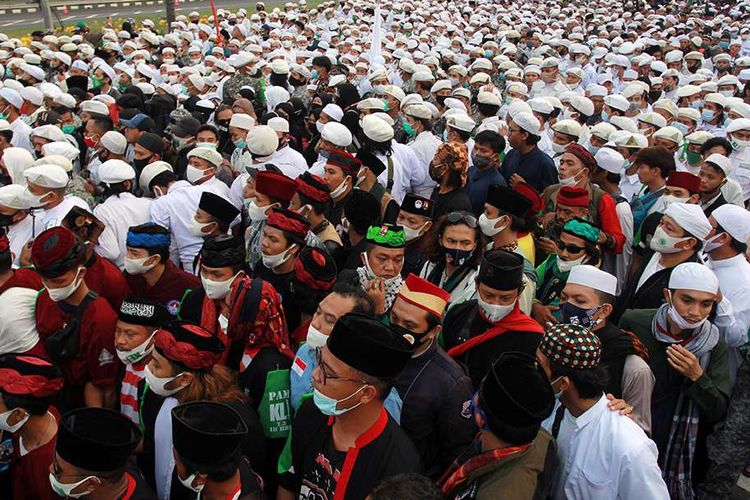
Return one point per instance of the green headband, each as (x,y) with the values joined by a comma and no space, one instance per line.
(386,235)
(582,229)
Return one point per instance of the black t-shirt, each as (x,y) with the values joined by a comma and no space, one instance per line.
(453,201)
(320,480)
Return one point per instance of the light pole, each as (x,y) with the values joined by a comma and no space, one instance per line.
(46,14)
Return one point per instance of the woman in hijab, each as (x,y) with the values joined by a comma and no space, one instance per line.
(347,100)
(296,125)
(243,105)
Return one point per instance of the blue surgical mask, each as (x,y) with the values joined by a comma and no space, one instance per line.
(696,104)
(681,127)
(327,406)
(724,45)
(445,135)
(488,54)
(314,74)
(605,117)
(240,143)
(707,115)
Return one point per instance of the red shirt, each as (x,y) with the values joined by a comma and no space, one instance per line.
(168,290)
(30,472)
(97,361)
(107,280)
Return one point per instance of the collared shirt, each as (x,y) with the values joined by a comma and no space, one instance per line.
(174,211)
(425,145)
(119,213)
(605,455)
(734,281)
(408,172)
(21,135)
(48,218)
(630,185)
(290,162)
(20,233)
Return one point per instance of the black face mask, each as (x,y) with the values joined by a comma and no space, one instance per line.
(6,220)
(408,335)
(441,99)
(140,164)
(296,82)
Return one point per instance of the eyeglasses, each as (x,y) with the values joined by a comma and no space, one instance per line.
(569,248)
(324,375)
(466,218)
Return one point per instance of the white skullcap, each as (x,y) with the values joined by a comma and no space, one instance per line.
(734,126)
(669,133)
(210,155)
(461,121)
(693,276)
(377,129)
(734,220)
(394,91)
(96,107)
(279,124)
(59,160)
(61,148)
(541,105)
(592,277)
(14,196)
(197,81)
(720,161)
(114,142)
(150,171)
(582,104)
(261,141)
(334,111)
(116,171)
(418,111)
(12,97)
(567,127)
(370,103)
(610,160)
(49,132)
(617,101)
(528,122)
(337,134)
(49,176)
(242,121)
(690,218)
(488,98)
(33,95)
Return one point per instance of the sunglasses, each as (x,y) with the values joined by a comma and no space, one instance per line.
(458,217)
(569,248)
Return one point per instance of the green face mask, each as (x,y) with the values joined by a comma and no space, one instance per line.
(96,83)
(693,158)
(68,129)
(409,130)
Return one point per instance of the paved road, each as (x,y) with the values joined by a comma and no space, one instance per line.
(33,21)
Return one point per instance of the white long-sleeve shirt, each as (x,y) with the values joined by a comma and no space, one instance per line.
(604,455)
(119,213)
(290,162)
(425,145)
(408,173)
(174,211)
(46,219)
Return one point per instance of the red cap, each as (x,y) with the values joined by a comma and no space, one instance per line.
(276,186)
(530,194)
(573,196)
(190,345)
(425,295)
(313,187)
(288,220)
(56,251)
(27,375)
(684,180)
(582,154)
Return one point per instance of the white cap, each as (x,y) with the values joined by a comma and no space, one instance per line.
(720,161)
(690,218)
(115,171)
(669,133)
(734,126)
(114,142)
(488,98)
(528,122)
(261,141)
(418,111)
(61,148)
(337,134)
(610,160)
(371,103)
(33,95)
(95,107)
(461,121)
(49,176)
(582,104)
(61,161)
(334,111)
(617,101)
(49,132)
(14,196)
(567,127)
(152,170)
(734,220)
(279,124)
(242,121)
(377,129)
(693,276)
(592,277)
(197,81)
(210,155)
(12,97)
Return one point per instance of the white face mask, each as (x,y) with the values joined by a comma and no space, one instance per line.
(711,245)
(196,228)
(412,234)
(35,200)
(188,482)
(319,126)
(137,353)
(487,225)
(274,261)
(256,213)
(670,198)
(4,425)
(572,180)
(60,294)
(558,148)
(216,290)
(494,312)
(566,265)
(64,490)
(315,338)
(137,266)
(194,174)
(663,243)
(681,322)
(335,193)
(156,384)
(378,89)
(738,144)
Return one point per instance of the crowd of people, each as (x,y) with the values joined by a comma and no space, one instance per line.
(391,251)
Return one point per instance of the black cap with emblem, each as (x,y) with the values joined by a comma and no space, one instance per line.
(140,311)
(417,205)
(501,270)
